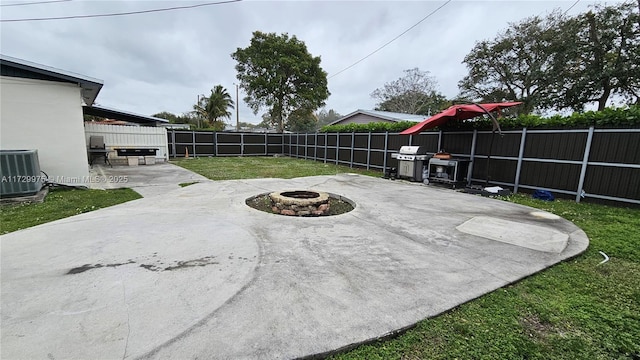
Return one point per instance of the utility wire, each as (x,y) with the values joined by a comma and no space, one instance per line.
(571,7)
(122,13)
(35,3)
(390,41)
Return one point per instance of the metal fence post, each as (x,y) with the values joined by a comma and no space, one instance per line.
(353,139)
(315,147)
(585,163)
(173,142)
(215,143)
(326,139)
(474,140)
(369,151)
(386,147)
(266,144)
(241,144)
(439,141)
(523,139)
(193,141)
(337,147)
(306,145)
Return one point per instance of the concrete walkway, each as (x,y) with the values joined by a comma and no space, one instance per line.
(195,273)
(147,180)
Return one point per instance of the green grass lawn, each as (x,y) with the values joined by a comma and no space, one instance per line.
(574,310)
(60,203)
(254,167)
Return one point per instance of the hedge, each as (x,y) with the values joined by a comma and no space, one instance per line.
(609,117)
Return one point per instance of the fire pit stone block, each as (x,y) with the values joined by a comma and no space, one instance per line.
(300,203)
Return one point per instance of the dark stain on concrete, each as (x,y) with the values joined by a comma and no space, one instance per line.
(150,267)
(86,267)
(204,261)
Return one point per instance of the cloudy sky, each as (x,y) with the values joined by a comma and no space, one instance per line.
(161,61)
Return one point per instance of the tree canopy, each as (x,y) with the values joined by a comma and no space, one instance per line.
(559,62)
(302,120)
(597,57)
(414,93)
(186,118)
(512,66)
(277,72)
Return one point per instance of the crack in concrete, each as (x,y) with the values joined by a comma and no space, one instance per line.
(124,299)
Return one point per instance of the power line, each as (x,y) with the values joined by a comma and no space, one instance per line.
(571,7)
(122,13)
(35,3)
(390,41)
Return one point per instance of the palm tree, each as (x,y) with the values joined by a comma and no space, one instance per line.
(200,110)
(215,107)
(220,102)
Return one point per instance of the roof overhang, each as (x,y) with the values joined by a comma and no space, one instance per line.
(109,113)
(383,115)
(345,117)
(90,86)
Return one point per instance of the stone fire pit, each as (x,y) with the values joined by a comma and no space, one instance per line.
(300,203)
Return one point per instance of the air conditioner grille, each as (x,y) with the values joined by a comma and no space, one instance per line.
(19,173)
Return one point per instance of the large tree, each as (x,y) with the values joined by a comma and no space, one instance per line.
(597,57)
(277,72)
(413,93)
(513,65)
(215,107)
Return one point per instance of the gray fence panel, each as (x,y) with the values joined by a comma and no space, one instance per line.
(605,163)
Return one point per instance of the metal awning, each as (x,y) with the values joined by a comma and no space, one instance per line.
(109,113)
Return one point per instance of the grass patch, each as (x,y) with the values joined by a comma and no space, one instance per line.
(187,183)
(574,310)
(59,204)
(255,167)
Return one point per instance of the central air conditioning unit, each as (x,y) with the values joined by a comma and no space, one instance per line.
(19,173)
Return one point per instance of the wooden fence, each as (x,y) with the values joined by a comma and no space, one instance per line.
(593,163)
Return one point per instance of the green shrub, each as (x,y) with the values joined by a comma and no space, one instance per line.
(370,127)
(609,117)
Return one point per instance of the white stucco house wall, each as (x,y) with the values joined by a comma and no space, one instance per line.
(41,108)
(368,116)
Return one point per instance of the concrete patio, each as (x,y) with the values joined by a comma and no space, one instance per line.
(196,273)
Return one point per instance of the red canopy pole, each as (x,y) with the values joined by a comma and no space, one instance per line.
(496,125)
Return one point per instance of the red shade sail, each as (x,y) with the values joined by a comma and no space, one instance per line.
(458,112)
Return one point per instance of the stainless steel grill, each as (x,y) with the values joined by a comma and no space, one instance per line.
(411,162)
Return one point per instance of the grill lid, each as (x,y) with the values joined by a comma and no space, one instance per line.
(413,150)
